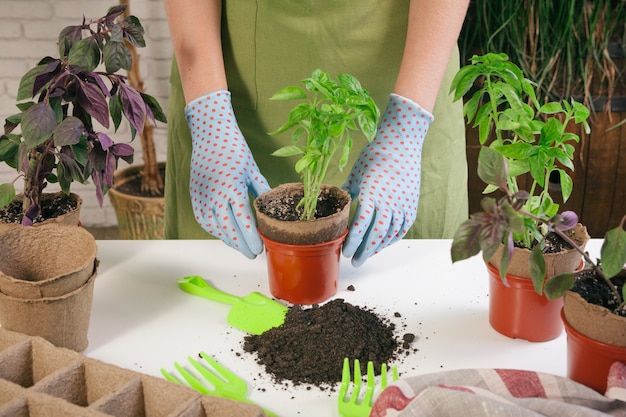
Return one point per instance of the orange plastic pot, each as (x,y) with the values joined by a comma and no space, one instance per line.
(517,311)
(588,361)
(303,274)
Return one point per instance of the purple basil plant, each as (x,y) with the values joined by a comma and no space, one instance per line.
(59,102)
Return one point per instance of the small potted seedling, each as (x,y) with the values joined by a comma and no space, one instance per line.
(532,139)
(64,102)
(300,221)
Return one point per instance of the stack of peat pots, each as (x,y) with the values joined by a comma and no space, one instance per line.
(47,275)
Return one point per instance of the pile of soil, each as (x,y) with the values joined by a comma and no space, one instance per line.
(310,346)
(595,290)
(50,208)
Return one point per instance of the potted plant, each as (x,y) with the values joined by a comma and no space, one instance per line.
(60,101)
(570,50)
(137,194)
(594,311)
(534,142)
(299,222)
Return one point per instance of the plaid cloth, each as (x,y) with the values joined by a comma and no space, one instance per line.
(501,392)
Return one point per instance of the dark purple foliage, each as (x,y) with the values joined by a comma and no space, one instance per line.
(59,101)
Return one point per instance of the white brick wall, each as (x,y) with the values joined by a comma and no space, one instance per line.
(28,32)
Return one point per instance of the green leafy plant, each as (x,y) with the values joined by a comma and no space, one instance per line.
(533,140)
(484,230)
(59,101)
(322,125)
(565,46)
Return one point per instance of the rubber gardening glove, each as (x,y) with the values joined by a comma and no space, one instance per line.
(223,171)
(386,180)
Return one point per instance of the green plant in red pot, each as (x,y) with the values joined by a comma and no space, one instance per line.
(532,139)
(64,102)
(301,223)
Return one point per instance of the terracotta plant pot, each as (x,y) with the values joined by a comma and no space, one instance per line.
(71,218)
(47,275)
(519,312)
(303,256)
(303,274)
(138,217)
(596,338)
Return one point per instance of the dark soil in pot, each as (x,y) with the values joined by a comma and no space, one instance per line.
(310,346)
(52,207)
(595,290)
(284,208)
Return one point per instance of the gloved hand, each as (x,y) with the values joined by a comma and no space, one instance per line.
(386,180)
(223,171)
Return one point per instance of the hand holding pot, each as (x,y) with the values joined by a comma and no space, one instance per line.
(222,174)
(386,180)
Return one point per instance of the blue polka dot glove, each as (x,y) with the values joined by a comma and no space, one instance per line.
(223,172)
(386,180)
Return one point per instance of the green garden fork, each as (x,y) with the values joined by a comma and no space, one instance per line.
(224,383)
(354,405)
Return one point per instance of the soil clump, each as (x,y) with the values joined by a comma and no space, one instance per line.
(310,346)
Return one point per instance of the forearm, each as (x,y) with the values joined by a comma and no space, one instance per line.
(432,35)
(195,27)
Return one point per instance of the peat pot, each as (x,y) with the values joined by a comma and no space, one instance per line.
(303,256)
(47,276)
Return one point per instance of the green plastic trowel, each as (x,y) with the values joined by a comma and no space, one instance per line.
(254,313)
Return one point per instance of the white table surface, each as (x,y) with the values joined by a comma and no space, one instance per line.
(143,322)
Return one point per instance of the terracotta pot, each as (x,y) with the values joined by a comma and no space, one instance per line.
(519,312)
(138,217)
(71,218)
(303,274)
(596,338)
(27,269)
(303,256)
(588,361)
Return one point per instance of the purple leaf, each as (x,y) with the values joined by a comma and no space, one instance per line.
(134,106)
(38,124)
(92,99)
(46,75)
(95,176)
(68,132)
(105,140)
(109,169)
(569,219)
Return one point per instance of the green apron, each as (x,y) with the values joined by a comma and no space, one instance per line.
(271,44)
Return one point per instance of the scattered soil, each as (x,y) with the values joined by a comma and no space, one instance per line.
(309,348)
(595,290)
(50,208)
(284,208)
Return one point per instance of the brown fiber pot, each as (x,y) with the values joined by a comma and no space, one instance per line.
(46,261)
(303,256)
(596,338)
(47,275)
(519,312)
